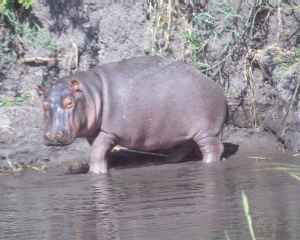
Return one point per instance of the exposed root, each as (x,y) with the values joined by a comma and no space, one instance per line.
(38,60)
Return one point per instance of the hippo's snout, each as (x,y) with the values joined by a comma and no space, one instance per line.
(57,138)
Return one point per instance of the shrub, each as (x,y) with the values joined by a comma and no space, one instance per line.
(11,5)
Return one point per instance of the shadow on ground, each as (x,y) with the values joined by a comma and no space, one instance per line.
(122,158)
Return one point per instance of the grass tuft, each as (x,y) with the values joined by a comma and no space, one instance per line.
(246,208)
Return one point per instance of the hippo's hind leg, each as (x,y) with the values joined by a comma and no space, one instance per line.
(211,147)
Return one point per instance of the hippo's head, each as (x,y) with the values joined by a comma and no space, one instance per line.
(63,106)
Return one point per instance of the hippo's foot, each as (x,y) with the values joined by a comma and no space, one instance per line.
(211,148)
(98,168)
(212,152)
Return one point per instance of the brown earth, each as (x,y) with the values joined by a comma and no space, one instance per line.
(92,32)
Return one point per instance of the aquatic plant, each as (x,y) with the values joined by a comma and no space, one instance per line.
(292,170)
(246,208)
(297,177)
(226,235)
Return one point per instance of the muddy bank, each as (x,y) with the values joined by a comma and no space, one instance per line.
(21,142)
(259,76)
(76,36)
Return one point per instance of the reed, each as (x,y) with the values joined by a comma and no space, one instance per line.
(246,208)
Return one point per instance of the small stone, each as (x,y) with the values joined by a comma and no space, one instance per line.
(75,167)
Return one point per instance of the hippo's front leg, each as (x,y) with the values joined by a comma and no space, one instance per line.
(101,146)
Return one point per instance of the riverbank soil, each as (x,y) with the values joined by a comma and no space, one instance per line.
(253,54)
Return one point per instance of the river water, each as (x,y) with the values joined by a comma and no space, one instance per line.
(187,200)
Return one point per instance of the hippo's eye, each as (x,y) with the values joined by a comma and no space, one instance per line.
(46,106)
(68,103)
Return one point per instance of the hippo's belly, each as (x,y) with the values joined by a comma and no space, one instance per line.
(158,125)
(151,137)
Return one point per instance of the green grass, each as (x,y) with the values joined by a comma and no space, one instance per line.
(194,41)
(10,5)
(226,235)
(26,3)
(14,168)
(246,207)
(31,35)
(24,34)
(295,176)
(292,170)
(14,101)
(209,27)
(7,56)
(36,37)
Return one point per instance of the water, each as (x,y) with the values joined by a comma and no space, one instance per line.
(168,201)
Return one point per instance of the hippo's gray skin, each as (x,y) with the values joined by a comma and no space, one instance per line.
(143,103)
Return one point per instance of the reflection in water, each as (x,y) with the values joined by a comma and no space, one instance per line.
(177,201)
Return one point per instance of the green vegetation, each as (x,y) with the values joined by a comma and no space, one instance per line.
(215,32)
(31,35)
(25,3)
(215,36)
(14,101)
(292,170)
(6,54)
(210,26)
(197,45)
(276,63)
(297,177)
(226,235)
(246,208)
(283,58)
(10,5)
(14,168)
(18,34)
(293,58)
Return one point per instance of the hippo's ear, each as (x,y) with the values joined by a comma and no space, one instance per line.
(75,85)
(41,90)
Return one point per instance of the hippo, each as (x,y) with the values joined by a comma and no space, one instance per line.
(144,103)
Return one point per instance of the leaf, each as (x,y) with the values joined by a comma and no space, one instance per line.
(248,215)
(297,177)
(26,3)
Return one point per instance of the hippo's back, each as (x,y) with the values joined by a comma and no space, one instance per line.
(133,67)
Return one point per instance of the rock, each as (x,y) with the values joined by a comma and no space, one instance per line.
(75,166)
